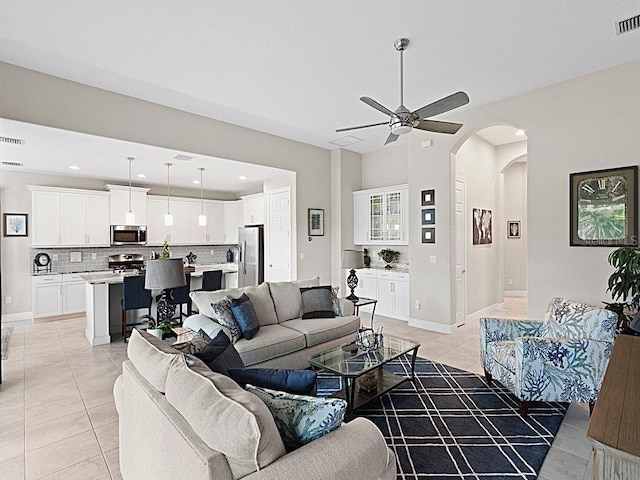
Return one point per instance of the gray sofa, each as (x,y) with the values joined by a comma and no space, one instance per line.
(284,339)
(184,421)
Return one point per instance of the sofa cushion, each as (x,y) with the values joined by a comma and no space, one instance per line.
(321,330)
(316,302)
(301,419)
(271,341)
(287,300)
(224,316)
(151,357)
(301,382)
(245,316)
(227,418)
(195,345)
(200,322)
(219,355)
(307,282)
(259,296)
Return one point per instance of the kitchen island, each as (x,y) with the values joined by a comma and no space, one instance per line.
(104,296)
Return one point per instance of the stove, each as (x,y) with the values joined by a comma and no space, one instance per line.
(126,262)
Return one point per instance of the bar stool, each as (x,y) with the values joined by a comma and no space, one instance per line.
(181,296)
(212,280)
(134,297)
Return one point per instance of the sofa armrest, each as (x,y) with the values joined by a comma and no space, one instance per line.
(201,322)
(503,329)
(347,308)
(560,369)
(356,451)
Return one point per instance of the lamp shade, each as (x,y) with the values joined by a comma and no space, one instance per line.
(352,259)
(164,273)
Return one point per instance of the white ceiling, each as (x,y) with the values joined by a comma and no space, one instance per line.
(296,68)
(502,135)
(50,150)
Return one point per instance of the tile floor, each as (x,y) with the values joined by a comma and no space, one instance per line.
(58,419)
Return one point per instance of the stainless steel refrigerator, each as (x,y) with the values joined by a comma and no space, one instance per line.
(250,256)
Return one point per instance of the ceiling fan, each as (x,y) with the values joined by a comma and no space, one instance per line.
(403,120)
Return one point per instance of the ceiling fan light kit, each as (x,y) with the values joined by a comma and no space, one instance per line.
(403,120)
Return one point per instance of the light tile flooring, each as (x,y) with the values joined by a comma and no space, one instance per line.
(58,418)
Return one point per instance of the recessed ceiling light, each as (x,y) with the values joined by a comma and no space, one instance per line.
(74,167)
(242,177)
(520,133)
(141,175)
(195,182)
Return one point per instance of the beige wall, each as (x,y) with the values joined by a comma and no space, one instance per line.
(515,208)
(37,98)
(476,162)
(387,166)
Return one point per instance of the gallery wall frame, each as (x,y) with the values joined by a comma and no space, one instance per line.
(315,221)
(513,229)
(482,226)
(15,224)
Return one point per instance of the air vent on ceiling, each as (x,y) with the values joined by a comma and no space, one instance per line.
(184,158)
(627,25)
(12,164)
(13,141)
(346,140)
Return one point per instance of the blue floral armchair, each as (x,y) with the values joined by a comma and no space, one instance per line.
(561,359)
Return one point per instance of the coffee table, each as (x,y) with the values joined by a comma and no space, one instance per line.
(349,362)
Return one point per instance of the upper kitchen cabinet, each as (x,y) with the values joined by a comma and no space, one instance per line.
(253,209)
(215,222)
(176,234)
(381,216)
(232,219)
(69,218)
(119,200)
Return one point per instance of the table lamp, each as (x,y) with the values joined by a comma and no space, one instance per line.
(352,259)
(165,274)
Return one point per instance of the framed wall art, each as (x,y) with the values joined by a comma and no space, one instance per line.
(428,197)
(429,235)
(603,208)
(428,216)
(513,229)
(316,222)
(16,224)
(482,227)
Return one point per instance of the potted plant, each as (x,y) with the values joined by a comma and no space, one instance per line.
(624,285)
(389,256)
(159,327)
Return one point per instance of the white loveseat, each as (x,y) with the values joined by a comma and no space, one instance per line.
(284,339)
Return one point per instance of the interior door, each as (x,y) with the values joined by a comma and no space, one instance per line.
(460,252)
(278,238)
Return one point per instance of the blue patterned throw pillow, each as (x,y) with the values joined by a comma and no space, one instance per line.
(245,315)
(224,316)
(195,345)
(301,419)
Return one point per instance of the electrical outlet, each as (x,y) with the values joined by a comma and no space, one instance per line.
(7,300)
(511,281)
(417,304)
(55,257)
(212,252)
(94,256)
(302,255)
(433,259)
(479,295)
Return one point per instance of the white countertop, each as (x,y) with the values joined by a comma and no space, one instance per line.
(110,277)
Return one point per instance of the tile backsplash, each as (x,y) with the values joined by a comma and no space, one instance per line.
(206,254)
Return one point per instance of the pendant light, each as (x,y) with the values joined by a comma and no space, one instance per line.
(130,216)
(168,218)
(202,218)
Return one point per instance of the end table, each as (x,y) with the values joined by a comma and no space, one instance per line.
(361,302)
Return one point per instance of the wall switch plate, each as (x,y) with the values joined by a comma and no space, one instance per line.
(7,300)
(302,255)
(94,256)
(433,259)
(55,257)
(479,295)
(417,304)
(511,281)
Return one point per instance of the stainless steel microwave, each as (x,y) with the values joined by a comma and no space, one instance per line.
(128,234)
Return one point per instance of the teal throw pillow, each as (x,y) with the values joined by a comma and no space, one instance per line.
(300,419)
(245,315)
(224,316)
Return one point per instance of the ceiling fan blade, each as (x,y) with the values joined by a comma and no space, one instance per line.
(381,108)
(362,126)
(445,104)
(438,126)
(391,138)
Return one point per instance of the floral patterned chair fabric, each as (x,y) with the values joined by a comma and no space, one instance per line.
(561,359)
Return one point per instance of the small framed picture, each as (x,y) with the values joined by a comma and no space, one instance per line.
(428,197)
(428,216)
(429,235)
(16,224)
(316,222)
(513,229)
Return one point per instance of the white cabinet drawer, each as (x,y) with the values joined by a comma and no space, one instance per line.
(43,279)
(367,273)
(72,277)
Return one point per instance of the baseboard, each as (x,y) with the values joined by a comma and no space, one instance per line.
(515,293)
(484,311)
(433,326)
(17,317)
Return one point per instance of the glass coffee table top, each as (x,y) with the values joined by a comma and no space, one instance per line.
(349,361)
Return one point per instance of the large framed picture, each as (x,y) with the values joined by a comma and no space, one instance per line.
(482,226)
(316,222)
(16,224)
(603,207)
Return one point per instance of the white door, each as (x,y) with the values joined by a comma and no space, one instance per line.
(98,230)
(47,300)
(461,260)
(46,218)
(73,297)
(278,237)
(74,219)
(401,294)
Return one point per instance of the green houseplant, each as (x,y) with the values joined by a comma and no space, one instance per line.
(624,285)
(389,256)
(158,327)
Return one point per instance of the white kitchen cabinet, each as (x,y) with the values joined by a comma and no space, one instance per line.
(381,216)
(231,280)
(232,217)
(46,295)
(197,233)
(156,229)
(69,218)
(390,289)
(215,222)
(253,209)
(178,233)
(73,293)
(119,204)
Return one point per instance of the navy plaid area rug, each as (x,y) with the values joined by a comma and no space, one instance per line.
(449,424)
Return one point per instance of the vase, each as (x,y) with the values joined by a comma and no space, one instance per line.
(156,332)
(229,256)
(367,260)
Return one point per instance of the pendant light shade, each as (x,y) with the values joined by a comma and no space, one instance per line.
(130,216)
(202,218)
(168,218)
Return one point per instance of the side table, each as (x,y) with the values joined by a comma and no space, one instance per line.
(361,302)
